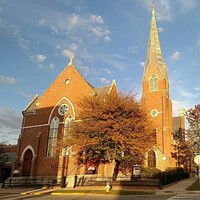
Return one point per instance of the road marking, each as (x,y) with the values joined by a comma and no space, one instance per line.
(185,197)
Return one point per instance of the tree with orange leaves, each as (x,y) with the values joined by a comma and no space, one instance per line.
(109,128)
(193,132)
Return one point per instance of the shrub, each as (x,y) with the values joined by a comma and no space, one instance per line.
(174,170)
(171,175)
(150,172)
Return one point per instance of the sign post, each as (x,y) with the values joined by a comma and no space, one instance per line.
(197,161)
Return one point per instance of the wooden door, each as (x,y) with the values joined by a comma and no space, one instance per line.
(27,163)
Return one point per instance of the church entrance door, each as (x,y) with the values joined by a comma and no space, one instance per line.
(27,163)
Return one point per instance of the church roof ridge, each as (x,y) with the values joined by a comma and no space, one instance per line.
(31,103)
(106,88)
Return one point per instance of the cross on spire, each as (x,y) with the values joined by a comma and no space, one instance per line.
(71,58)
(153,9)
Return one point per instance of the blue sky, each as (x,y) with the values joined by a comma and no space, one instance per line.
(109,40)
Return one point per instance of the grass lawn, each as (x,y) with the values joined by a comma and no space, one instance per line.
(194,186)
(112,192)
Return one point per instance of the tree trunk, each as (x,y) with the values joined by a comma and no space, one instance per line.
(116,170)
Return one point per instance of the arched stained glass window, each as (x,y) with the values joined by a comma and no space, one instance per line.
(67,150)
(153,82)
(68,121)
(52,139)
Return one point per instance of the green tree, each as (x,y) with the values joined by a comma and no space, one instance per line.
(181,151)
(3,156)
(193,132)
(111,128)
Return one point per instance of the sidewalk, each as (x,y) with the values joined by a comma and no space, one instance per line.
(24,190)
(174,188)
(178,187)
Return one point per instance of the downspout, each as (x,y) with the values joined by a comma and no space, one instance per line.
(163,146)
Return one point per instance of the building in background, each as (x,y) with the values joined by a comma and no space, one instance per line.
(7,158)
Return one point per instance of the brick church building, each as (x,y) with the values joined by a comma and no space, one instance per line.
(45,118)
(44,122)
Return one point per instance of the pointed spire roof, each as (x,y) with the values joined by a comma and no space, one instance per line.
(154,53)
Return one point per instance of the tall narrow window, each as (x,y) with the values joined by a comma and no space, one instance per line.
(68,121)
(155,135)
(52,140)
(67,150)
(153,83)
(151,159)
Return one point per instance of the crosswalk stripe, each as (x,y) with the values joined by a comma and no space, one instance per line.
(185,197)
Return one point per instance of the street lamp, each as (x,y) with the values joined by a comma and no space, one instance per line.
(65,153)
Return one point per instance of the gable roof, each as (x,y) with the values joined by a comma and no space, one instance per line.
(31,107)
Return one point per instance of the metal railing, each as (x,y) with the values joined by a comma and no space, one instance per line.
(30,181)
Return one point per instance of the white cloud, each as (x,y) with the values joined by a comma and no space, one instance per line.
(101,32)
(106,71)
(187,5)
(176,56)
(10,124)
(66,53)
(15,31)
(73,46)
(54,29)
(142,64)
(51,66)
(25,94)
(115,60)
(163,9)
(104,80)
(40,58)
(41,21)
(186,94)
(106,38)
(160,29)
(7,80)
(133,49)
(197,87)
(98,31)
(97,19)
(177,105)
(76,25)
(73,20)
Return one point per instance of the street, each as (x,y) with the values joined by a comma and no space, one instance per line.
(100,197)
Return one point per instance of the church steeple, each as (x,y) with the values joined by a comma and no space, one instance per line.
(154,54)
(156,100)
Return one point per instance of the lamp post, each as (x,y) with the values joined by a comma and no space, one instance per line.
(65,153)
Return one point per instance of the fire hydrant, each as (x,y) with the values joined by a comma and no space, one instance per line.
(107,187)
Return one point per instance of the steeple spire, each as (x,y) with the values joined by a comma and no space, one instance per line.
(153,12)
(154,53)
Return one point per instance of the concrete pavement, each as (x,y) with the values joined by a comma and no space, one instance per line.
(178,187)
